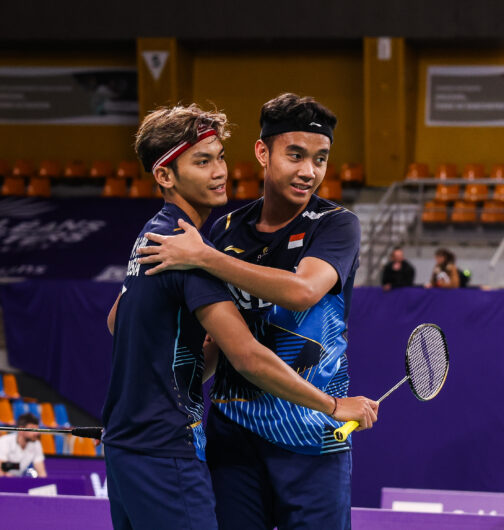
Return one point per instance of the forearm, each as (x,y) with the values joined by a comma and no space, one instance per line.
(40,469)
(278,286)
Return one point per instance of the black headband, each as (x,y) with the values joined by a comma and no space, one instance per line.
(273,128)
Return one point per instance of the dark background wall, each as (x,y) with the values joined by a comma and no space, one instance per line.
(258,19)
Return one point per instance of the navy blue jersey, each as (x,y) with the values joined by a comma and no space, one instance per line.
(312,342)
(154,403)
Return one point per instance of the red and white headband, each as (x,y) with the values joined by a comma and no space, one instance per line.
(177,150)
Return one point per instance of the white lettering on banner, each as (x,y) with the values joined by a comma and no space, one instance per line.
(23,270)
(33,235)
(134,265)
(244,300)
(99,489)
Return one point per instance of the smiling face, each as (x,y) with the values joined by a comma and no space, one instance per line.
(294,166)
(198,178)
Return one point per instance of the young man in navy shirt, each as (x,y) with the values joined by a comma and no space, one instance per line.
(289,259)
(153,435)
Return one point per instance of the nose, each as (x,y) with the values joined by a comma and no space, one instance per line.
(307,170)
(220,170)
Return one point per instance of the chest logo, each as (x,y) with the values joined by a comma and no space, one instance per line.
(233,249)
(296,240)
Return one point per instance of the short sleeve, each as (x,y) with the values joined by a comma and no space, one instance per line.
(201,288)
(39,453)
(336,241)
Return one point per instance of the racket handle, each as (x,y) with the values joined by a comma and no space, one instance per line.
(342,433)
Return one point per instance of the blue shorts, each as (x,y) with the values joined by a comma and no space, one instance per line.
(259,485)
(156,492)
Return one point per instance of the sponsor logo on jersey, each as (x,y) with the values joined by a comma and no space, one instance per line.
(296,240)
(314,215)
(230,248)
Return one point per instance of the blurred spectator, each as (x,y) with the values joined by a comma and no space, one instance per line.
(20,450)
(445,273)
(398,272)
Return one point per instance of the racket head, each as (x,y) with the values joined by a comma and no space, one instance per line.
(427,361)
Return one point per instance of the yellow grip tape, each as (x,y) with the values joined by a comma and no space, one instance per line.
(342,433)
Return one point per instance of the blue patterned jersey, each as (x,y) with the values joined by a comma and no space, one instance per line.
(312,342)
(154,403)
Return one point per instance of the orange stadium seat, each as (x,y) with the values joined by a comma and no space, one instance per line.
(101,169)
(6,414)
(39,187)
(330,189)
(49,169)
(141,188)
(243,171)
(497,172)
(10,386)
(352,173)
(473,171)
(417,170)
(23,168)
(434,212)
(84,447)
(447,193)
(463,212)
(493,212)
(5,169)
(47,417)
(128,169)
(13,186)
(476,192)
(331,173)
(114,187)
(498,194)
(247,189)
(48,445)
(446,171)
(75,169)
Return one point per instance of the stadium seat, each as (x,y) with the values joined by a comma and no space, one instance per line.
(2,393)
(476,192)
(330,174)
(330,189)
(243,171)
(75,169)
(6,413)
(61,415)
(434,212)
(446,171)
(128,169)
(447,193)
(23,168)
(5,169)
(34,409)
(59,443)
(114,187)
(463,212)
(47,417)
(83,447)
(13,186)
(498,194)
(19,407)
(473,171)
(352,173)
(10,386)
(492,213)
(48,445)
(49,169)
(141,188)
(247,189)
(101,169)
(417,170)
(497,172)
(39,187)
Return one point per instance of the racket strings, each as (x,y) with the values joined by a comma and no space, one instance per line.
(427,361)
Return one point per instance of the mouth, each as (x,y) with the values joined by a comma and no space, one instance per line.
(221,188)
(301,188)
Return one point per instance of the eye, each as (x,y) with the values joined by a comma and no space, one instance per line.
(295,156)
(321,160)
(202,163)
(222,157)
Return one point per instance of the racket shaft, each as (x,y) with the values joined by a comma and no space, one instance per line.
(341,434)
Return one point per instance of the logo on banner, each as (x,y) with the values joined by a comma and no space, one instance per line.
(296,240)
(155,61)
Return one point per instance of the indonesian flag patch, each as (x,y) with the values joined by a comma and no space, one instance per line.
(296,240)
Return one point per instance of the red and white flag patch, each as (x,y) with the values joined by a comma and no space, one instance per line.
(296,240)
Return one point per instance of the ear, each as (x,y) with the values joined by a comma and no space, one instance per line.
(165,177)
(262,153)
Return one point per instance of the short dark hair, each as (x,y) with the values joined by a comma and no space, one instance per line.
(165,127)
(294,108)
(26,419)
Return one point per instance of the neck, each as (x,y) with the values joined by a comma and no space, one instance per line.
(197,214)
(277,212)
(21,441)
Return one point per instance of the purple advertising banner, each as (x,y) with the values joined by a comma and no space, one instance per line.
(437,501)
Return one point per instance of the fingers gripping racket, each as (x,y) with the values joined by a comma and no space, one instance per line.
(427,363)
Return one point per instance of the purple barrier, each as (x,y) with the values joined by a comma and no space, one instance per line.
(64,486)
(366,519)
(27,512)
(478,502)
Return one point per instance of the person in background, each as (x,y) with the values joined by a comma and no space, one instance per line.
(445,274)
(20,450)
(398,272)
